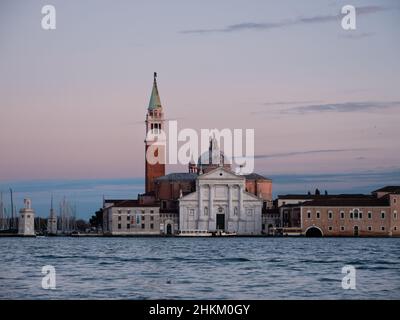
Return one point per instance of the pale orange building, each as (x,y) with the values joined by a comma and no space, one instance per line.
(346,215)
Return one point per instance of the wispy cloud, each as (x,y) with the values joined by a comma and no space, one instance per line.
(351,35)
(360,106)
(271,103)
(284,23)
(297,153)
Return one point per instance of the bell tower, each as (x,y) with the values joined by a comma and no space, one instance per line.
(155,139)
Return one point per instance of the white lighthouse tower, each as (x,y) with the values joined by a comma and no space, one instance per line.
(26,223)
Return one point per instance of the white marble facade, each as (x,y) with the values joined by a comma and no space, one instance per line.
(220,202)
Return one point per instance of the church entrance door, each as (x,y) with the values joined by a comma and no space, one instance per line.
(220,221)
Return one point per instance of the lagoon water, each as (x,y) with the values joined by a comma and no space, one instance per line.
(200,268)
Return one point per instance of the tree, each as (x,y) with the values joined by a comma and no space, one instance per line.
(97,219)
(317,192)
(326,192)
(81,225)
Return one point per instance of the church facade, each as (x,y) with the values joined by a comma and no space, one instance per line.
(209,197)
(221,204)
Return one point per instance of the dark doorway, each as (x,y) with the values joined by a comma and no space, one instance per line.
(220,221)
(356,231)
(169,229)
(313,232)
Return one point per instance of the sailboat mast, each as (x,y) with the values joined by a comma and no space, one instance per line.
(1,212)
(12,210)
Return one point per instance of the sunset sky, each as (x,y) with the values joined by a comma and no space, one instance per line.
(324,102)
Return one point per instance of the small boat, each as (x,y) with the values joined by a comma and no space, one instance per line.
(225,234)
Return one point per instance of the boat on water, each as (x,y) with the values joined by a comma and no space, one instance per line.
(224,234)
(194,233)
(205,233)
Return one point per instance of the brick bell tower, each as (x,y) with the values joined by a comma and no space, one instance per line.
(154,140)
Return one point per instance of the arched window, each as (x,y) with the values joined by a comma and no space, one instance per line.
(206,211)
(235,211)
(355,213)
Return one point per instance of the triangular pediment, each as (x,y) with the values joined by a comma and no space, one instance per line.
(220,173)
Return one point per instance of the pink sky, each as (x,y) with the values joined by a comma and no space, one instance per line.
(319,100)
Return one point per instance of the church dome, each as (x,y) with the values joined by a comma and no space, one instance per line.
(212,158)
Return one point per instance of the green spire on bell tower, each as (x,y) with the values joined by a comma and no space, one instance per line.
(155,101)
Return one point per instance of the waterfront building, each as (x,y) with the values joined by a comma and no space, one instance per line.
(26,221)
(235,200)
(130,217)
(344,214)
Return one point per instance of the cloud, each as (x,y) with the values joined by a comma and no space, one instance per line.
(363,106)
(284,23)
(351,35)
(296,153)
(287,102)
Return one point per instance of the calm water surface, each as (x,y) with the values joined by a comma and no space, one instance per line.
(199,268)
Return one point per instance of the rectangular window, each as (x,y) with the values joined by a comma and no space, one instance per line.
(351,215)
(119,218)
(191,212)
(128,218)
(383,214)
(309,214)
(383,228)
(330,228)
(151,226)
(119,226)
(369,228)
(318,215)
(330,215)
(342,228)
(128,226)
(360,215)
(143,217)
(143,226)
(369,215)
(341,214)
(151,218)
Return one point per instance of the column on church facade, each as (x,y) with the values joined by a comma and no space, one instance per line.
(212,220)
(200,213)
(200,199)
(230,208)
(241,209)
